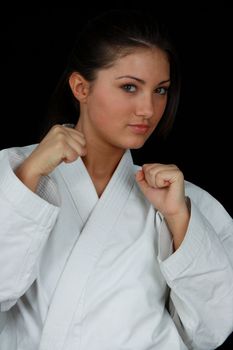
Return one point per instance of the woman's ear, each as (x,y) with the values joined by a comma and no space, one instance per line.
(79,86)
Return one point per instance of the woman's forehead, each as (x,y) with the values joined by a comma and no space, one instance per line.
(144,63)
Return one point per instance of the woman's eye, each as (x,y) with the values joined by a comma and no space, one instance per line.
(129,87)
(161,90)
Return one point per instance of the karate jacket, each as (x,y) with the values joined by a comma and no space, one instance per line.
(79,272)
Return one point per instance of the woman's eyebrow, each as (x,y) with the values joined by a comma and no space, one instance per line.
(141,80)
(165,81)
(132,77)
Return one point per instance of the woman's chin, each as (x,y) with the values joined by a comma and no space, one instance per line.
(135,144)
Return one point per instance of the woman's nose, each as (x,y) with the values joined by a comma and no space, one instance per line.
(145,107)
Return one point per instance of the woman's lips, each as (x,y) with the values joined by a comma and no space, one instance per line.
(139,128)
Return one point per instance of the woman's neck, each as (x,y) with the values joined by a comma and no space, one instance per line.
(101,164)
(100,167)
(100,160)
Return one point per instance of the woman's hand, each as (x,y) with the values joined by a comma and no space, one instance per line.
(61,144)
(163,186)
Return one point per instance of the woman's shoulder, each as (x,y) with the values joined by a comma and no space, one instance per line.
(26,150)
(17,151)
(198,194)
(13,156)
(206,202)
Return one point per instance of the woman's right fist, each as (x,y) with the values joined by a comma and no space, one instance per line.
(61,144)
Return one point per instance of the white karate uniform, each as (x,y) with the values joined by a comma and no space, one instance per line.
(78,272)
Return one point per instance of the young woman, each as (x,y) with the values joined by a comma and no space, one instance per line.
(96,252)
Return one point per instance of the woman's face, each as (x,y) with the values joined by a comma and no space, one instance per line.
(127,100)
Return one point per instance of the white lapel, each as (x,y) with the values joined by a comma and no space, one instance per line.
(96,231)
(81,187)
(78,199)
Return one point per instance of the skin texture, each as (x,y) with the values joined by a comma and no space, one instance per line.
(118,111)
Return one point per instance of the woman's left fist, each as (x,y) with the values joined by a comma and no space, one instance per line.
(163,186)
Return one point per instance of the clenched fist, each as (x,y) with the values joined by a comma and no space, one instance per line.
(61,144)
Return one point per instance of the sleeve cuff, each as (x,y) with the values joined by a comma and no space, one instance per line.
(190,248)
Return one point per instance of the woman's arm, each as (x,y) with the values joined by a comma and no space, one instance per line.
(200,276)
(26,220)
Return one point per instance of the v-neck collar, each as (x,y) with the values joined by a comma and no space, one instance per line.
(83,191)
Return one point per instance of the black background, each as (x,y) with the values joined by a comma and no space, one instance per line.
(35,43)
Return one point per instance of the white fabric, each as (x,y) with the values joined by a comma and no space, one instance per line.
(79,272)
